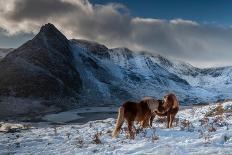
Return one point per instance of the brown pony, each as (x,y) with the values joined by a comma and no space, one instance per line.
(131,111)
(168,107)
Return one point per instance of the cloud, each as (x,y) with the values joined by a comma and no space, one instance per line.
(37,9)
(7,41)
(113,25)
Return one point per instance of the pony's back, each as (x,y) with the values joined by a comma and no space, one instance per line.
(152,103)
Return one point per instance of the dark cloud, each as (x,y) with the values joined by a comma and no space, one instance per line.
(36,9)
(112,24)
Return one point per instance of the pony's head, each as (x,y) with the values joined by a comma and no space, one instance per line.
(167,104)
(160,107)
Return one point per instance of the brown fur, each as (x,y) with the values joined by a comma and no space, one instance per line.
(169,108)
(131,112)
(160,109)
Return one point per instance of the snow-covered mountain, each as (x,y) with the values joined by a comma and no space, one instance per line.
(139,74)
(216,80)
(58,72)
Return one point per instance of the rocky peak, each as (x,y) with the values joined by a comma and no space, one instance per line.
(50,30)
(51,39)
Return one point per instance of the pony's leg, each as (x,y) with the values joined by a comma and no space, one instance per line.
(146,119)
(168,119)
(119,122)
(151,119)
(172,118)
(144,124)
(130,128)
(147,122)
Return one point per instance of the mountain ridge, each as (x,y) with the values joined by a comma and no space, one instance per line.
(63,73)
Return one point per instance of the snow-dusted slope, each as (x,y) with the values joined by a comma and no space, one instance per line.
(193,134)
(122,74)
(215,80)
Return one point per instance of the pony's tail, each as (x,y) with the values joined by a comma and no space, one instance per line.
(119,122)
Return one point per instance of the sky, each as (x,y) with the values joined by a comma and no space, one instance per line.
(195,31)
(204,11)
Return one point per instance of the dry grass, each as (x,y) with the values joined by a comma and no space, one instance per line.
(226,138)
(204,121)
(219,110)
(80,142)
(155,138)
(161,120)
(68,135)
(96,139)
(212,129)
(55,130)
(186,125)
(138,131)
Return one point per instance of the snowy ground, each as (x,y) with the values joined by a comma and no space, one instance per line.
(193,134)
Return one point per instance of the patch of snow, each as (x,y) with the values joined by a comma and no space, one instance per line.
(7,127)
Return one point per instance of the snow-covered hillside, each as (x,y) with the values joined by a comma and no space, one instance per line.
(199,130)
(215,80)
(124,74)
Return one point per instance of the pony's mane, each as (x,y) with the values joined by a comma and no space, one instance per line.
(147,98)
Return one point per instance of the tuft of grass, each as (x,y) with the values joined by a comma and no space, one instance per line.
(26,126)
(219,121)
(218,110)
(212,129)
(68,135)
(161,120)
(155,138)
(186,125)
(138,130)
(226,138)
(96,139)
(55,130)
(177,120)
(204,121)
(80,142)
